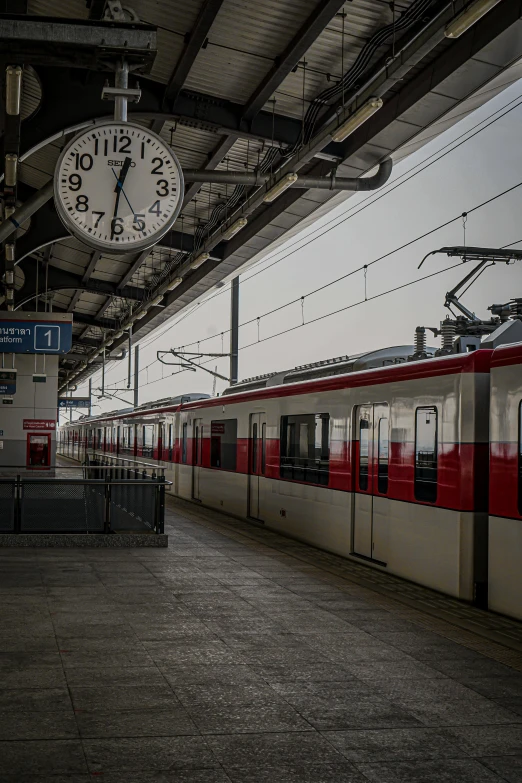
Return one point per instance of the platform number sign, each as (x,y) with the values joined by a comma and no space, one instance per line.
(47,338)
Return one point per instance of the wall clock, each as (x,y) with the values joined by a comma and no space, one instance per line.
(118,187)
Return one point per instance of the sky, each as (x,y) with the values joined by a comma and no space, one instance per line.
(357,233)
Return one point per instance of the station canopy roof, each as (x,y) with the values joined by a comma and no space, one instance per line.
(237,86)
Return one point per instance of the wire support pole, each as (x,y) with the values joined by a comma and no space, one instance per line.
(234,331)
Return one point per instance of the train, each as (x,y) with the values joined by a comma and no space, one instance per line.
(409,462)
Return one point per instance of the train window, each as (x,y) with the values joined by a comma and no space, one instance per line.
(383,455)
(426,454)
(263,448)
(223,444)
(184,441)
(364,453)
(99,439)
(305,448)
(171,439)
(520,458)
(148,435)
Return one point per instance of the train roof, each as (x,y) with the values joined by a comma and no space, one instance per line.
(475,362)
(506,355)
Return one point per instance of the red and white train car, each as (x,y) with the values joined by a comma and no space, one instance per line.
(505,482)
(388,464)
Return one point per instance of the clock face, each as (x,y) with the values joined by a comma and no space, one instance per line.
(118,187)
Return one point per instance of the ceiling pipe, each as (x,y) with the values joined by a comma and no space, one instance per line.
(23,213)
(256,179)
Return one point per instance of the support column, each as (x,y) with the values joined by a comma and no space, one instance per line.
(136,374)
(234,330)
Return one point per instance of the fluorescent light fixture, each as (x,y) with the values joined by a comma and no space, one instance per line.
(174,283)
(234,228)
(108,342)
(280,187)
(357,119)
(9,252)
(13,89)
(141,314)
(468,17)
(11,167)
(199,260)
(157,300)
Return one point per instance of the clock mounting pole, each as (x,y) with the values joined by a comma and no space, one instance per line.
(121,93)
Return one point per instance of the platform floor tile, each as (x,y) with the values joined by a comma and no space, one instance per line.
(239,656)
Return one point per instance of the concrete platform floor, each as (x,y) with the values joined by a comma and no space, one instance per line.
(238,655)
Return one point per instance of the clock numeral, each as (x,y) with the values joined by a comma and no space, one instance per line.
(116,227)
(75,182)
(82,203)
(155,209)
(105,146)
(138,223)
(97,221)
(142,150)
(125,144)
(158,168)
(84,161)
(163,187)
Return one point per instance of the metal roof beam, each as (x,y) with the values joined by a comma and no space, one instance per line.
(77,43)
(60,280)
(193,44)
(298,46)
(85,278)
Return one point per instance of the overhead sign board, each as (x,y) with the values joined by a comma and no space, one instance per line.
(74,402)
(49,333)
(39,424)
(7,381)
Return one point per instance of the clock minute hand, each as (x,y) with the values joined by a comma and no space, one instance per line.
(118,188)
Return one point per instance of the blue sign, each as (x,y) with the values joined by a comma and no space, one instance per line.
(35,337)
(74,402)
(7,382)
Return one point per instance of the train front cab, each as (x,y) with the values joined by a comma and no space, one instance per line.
(505,502)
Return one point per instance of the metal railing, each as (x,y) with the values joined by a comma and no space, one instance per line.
(102,501)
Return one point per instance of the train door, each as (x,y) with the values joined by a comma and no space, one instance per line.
(161,440)
(256,464)
(370,523)
(197,454)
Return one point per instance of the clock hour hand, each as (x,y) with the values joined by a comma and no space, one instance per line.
(124,171)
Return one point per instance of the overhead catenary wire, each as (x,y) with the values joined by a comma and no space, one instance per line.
(371,199)
(327,315)
(364,267)
(368,201)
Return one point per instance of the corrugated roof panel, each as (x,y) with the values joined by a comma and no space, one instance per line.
(170,47)
(31,93)
(177,17)
(72,9)
(263,28)
(216,70)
